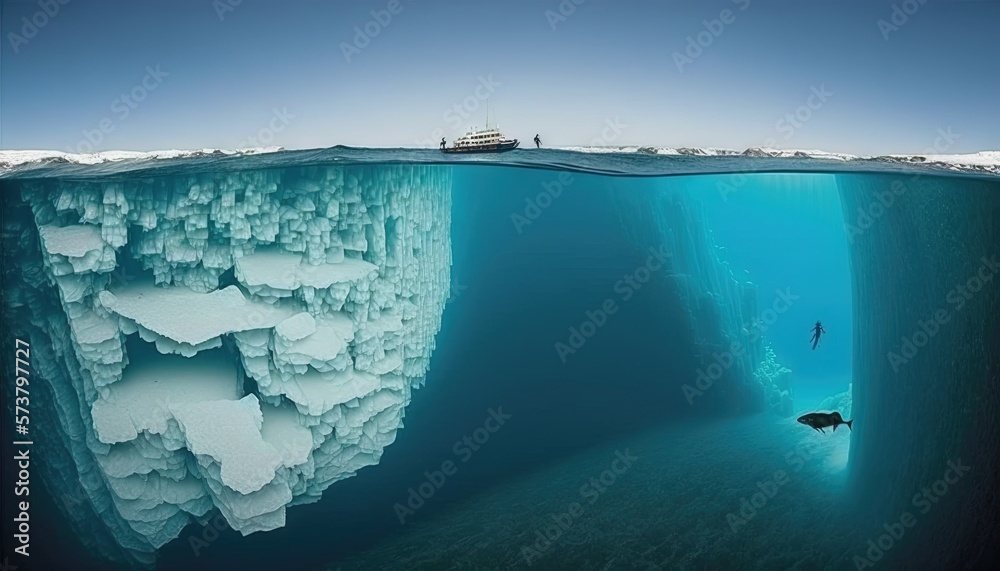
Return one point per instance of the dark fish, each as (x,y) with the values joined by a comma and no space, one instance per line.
(821,420)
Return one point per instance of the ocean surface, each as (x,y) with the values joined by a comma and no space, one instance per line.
(628,161)
(551,432)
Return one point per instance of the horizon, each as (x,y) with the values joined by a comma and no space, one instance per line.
(859,78)
(567,148)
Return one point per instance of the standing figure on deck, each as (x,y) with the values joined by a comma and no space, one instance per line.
(538,142)
(442,143)
(817,331)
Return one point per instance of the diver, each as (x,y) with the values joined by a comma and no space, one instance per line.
(817,331)
(538,142)
(442,143)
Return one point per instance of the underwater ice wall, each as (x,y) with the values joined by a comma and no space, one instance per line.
(737,370)
(924,254)
(233,341)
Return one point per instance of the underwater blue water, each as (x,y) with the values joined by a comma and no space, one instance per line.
(787,231)
(678,475)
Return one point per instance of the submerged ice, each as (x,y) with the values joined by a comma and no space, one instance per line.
(238,342)
(234,341)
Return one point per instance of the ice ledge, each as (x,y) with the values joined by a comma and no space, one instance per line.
(286,271)
(228,432)
(205,316)
(72,241)
(76,249)
(141,401)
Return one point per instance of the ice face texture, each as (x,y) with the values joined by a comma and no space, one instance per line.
(736,369)
(233,341)
(926,340)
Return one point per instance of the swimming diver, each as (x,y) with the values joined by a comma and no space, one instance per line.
(538,142)
(817,331)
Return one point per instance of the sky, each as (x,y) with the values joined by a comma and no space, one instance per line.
(855,76)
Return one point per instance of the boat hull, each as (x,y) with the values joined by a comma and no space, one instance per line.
(494,148)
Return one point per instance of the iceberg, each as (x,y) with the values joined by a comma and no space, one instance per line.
(736,369)
(10,159)
(232,342)
(985,162)
(220,341)
(916,412)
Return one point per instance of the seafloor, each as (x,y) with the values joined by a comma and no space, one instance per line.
(677,506)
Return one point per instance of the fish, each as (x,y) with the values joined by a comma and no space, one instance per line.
(820,420)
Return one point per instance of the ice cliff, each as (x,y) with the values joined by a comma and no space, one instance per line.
(230,341)
(736,370)
(924,255)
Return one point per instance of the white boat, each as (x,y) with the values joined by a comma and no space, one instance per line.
(486,140)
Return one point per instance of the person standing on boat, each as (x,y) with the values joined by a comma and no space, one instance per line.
(442,143)
(538,142)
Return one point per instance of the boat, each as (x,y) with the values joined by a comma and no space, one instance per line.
(486,140)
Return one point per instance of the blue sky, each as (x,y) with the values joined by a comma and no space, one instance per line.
(817,74)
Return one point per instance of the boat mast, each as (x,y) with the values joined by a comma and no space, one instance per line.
(487,112)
